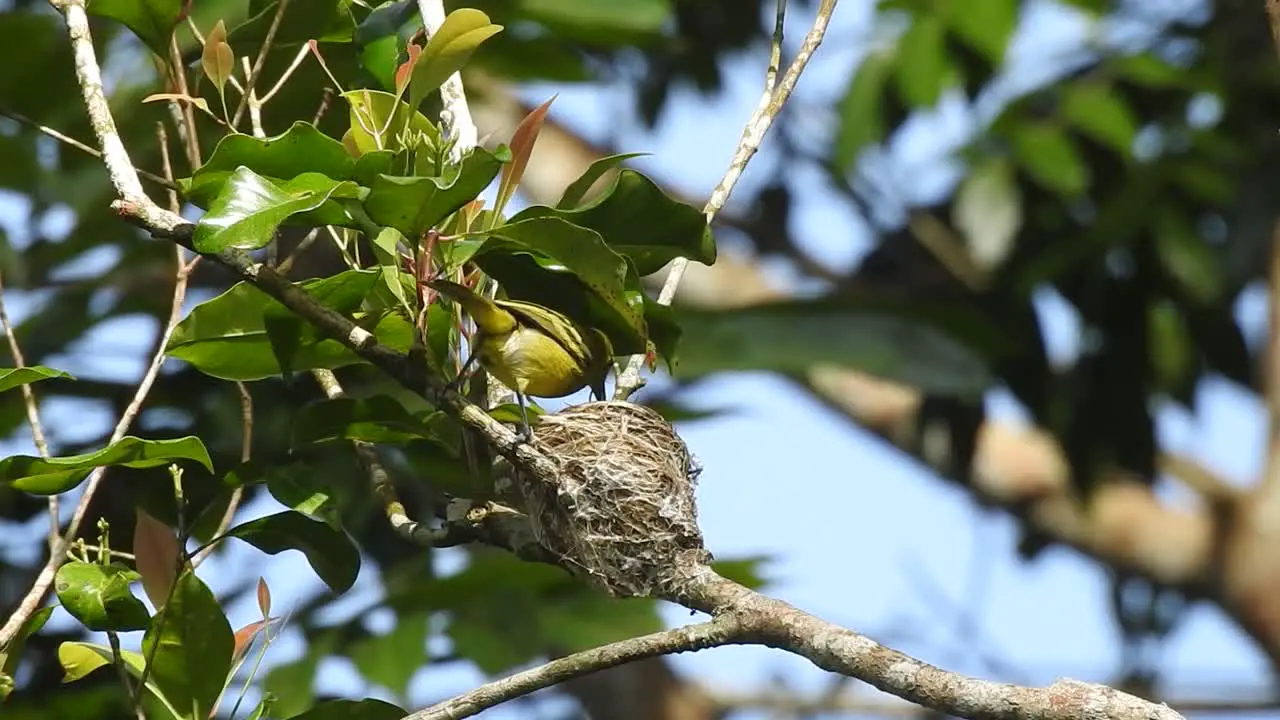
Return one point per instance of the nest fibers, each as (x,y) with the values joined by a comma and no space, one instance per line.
(621,513)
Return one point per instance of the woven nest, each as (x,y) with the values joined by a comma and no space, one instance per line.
(622,512)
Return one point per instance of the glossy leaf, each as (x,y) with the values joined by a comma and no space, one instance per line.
(99,596)
(300,149)
(11,378)
(1050,157)
(922,63)
(250,208)
(637,219)
(448,50)
(226,337)
(988,210)
(152,21)
(157,555)
(413,205)
(794,337)
(191,643)
(331,553)
(298,485)
(367,709)
(862,115)
(51,476)
(377,419)
(1101,112)
(577,190)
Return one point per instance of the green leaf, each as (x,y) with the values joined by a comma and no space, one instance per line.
(299,485)
(577,189)
(367,709)
(151,20)
(11,378)
(1186,257)
(862,108)
(618,22)
(637,219)
(413,205)
(744,571)
(986,26)
(385,20)
(922,63)
(392,659)
(300,149)
(250,208)
(378,419)
(1148,70)
(448,50)
(1050,157)
(906,344)
(99,596)
(387,246)
(51,476)
(78,659)
(556,247)
(664,330)
(1173,352)
(1101,112)
(191,643)
(226,337)
(382,121)
(331,553)
(988,210)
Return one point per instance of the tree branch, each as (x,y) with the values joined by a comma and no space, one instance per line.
(717,632)
(740,614)
(771,103)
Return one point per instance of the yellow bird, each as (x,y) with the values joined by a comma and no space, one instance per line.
(531,349)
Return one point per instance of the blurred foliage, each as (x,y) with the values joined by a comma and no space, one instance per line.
(1135,186)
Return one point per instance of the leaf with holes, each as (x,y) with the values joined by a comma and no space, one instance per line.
(99,596)
(51,476)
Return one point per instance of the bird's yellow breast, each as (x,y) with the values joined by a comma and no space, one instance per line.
(532,363)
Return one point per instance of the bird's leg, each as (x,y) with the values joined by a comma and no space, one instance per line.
(526,432)
(456,384)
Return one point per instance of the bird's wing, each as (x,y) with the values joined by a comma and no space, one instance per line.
(552,324)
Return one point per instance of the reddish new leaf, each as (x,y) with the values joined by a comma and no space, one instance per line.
(405,71)
(522,141)
(217,59)
(245,637)
(156,552)
(264,598)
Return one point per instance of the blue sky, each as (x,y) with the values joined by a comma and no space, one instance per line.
(858,534)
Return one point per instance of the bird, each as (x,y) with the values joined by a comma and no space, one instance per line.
(530,348)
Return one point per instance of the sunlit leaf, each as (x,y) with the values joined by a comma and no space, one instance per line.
(448,50)
(99,597)
(522,142)
(1101,112)
(922,63)
(382,121)
(1049,156)
(988,210)
(51,476)
(413,205)
(217,59)
(300,149)
(577,190)
(250,208)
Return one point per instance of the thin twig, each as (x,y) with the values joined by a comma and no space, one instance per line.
(246,454)
(720,631)
(190,136)
(456,115)
(772,101)
(303,52)
(68,140)
(122,671)
(307,240)
(257,64)
(33,410)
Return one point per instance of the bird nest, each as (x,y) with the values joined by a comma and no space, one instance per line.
(621,512)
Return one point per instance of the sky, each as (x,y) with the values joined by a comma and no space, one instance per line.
(855,532)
